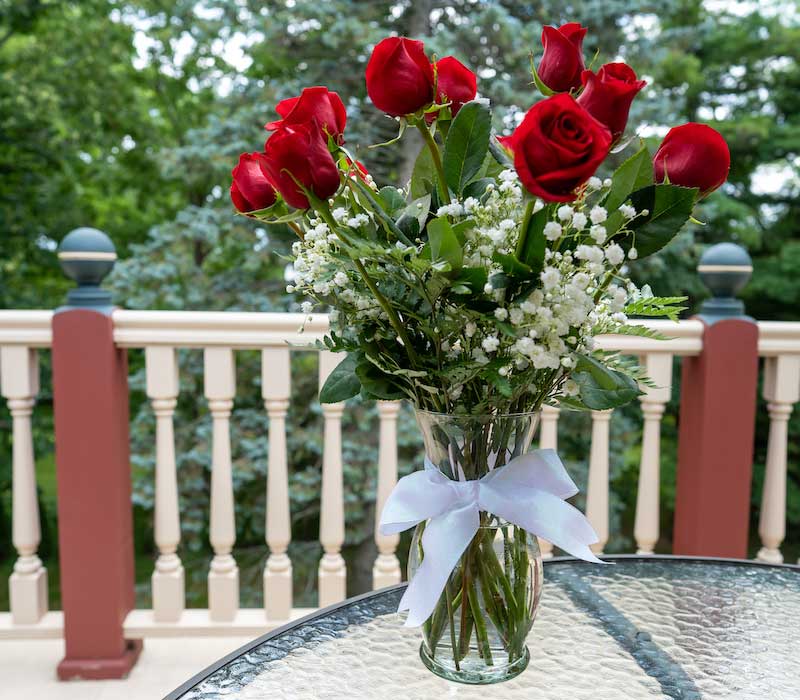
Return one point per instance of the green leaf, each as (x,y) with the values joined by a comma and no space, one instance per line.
(634,174)
(466,144)
(417,212)
(423,176)
(473,278)
(444,243)
(477,188)
(602,388)
(532,253)
(342,383)
(392,199)
(669,208)
(512,266)
(377,384)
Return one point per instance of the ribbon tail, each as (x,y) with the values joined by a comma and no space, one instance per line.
(443,542)
(542,514)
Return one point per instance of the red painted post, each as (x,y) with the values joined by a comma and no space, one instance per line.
(717,418)
(95,518)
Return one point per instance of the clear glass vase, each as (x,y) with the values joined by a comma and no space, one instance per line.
(478,629)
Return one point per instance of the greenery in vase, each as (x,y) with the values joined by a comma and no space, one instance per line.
(479,286)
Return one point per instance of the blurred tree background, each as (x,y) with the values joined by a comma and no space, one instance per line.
(128,116)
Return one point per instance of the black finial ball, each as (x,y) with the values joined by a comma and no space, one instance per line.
(725,269)
(86,255)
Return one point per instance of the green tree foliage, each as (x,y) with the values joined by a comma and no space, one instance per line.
(128,116)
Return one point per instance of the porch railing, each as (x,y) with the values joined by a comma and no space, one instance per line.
(160,334)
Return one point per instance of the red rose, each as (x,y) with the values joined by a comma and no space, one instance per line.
(693,155)
(455,83)
(562,63)
(250,189)
(557,147)
(299,154)
(607,96)
(317,102)
(399,76)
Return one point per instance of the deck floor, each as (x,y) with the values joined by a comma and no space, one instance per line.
(28,669)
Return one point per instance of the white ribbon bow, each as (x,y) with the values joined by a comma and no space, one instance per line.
(529,492)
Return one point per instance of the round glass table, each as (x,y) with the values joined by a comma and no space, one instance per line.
(641,627)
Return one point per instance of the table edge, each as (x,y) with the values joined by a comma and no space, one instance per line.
(213,668)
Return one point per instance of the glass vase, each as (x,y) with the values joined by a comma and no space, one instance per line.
(477,631)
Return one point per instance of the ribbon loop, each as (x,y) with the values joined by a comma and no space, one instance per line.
(528,492)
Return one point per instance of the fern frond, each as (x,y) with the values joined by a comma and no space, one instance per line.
(668,307)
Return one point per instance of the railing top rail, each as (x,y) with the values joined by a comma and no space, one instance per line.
(778,338)
(31,328)
(202,329)
(246,329)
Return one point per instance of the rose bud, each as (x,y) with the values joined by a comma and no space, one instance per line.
(317,102)
(455,83)
(250,189)
(607,96)
(562,63)
(557,147)
(399,76)
(693,155)
(296,156)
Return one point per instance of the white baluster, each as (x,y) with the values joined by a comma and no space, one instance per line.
(781,391)
(275,388)
(597,488)
(223,577)
(19,381)
(386,571)
(332,571)
(168,578)
(548,439)
(658,366)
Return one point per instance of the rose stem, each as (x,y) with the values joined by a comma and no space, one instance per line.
(437,160)
(480,626)
(325,213)
(523,229)
(449,598)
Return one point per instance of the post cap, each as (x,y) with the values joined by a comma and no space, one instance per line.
(86,256)
(725,269)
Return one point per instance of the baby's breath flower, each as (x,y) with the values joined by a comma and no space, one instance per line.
(614,254)
(490,343)
(607,182)
(306,307)
(598,233)
(552,230)
(579,220)
(627,211)
(633,254)
(595,183)
(500,313)
(550,277)
(565,212)
(598,215)
(470,329)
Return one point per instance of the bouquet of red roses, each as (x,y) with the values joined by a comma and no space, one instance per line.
(455,284)
(475,290)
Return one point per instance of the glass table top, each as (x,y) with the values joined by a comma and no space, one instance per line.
(654,627)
